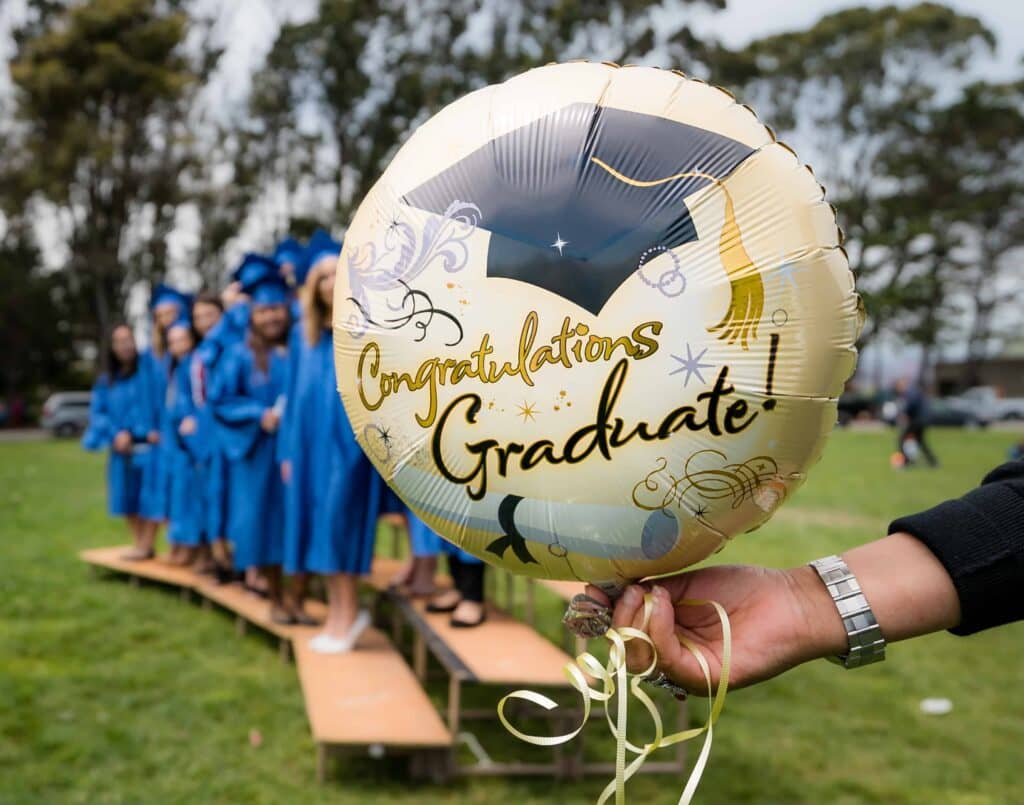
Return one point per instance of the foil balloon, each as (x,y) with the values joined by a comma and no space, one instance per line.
(591,323)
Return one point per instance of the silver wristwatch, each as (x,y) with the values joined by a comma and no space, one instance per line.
(867,645)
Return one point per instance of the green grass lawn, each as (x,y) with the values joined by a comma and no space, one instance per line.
(110,693)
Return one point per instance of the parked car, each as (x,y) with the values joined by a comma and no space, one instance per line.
(66,413)
(942,413)
(945,413)
(987,403)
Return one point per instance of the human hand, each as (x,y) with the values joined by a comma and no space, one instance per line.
(779,619)
(269,420)
(286,471)
(122,442)
(232,293)
(153,437)
(188,426)
(394,519)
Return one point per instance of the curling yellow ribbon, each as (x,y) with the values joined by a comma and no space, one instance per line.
(616,678)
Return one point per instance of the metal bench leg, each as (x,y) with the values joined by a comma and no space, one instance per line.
(419,657)
(321,762)
(454,703)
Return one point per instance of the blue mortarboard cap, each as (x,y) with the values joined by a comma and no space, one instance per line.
(262,281)
(321,245)
(184,320)
(288,250)
(252,267)
(163,294)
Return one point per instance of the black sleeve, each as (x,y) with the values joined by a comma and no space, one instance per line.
(979,539)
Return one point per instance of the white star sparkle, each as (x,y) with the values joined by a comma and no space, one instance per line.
(691,365)
(559,243)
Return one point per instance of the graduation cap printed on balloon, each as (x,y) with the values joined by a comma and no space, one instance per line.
(261,281)
(606,195)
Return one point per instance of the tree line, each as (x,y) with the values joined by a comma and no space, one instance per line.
(106,135)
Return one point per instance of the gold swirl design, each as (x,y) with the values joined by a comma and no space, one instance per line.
(739,482)
(747,302)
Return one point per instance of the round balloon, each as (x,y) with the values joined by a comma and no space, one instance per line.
(592,322)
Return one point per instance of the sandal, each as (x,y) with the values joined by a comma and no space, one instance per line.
(432,606)
(282,617)
(303,618)
(138,555)
(458,624)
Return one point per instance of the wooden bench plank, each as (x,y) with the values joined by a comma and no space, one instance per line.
(368,696)
(256,610)
(501,651)
(151,569)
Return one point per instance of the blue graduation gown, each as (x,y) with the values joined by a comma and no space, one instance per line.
(240,395)
(334,498)
(184,460)
(118,404)
(154,496)
(229,330)
(426,542)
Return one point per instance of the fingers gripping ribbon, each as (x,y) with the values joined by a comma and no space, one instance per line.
(615,684)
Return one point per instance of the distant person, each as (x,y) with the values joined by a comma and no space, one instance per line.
(167,305)
(182,454)
(913,421)
(122,418)
(248,399)
(195,427)
(227,317)
(333,495)
(465,601)
(958,566)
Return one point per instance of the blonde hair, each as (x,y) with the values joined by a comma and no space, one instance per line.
(316,313)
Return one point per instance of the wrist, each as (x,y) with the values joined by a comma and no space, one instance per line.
(821,629)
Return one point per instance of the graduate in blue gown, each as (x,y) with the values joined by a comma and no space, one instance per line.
(195,426)
(167,305)
(465,601)
(221,323)
(183,455)
(248,398)
(334,493)
(122,420)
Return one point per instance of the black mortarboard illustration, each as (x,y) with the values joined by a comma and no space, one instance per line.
(560,219)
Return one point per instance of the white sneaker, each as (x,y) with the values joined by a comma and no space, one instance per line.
(324,643)
(358,627)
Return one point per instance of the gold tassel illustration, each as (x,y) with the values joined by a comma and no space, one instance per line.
(747,303)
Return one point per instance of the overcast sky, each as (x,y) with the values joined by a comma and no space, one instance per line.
(248,29)
(249,26)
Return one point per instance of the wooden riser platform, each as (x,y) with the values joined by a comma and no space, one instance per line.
(370,698)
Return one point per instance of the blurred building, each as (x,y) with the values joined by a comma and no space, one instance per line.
(1004,372)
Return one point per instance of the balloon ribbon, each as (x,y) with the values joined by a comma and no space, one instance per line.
(617,683)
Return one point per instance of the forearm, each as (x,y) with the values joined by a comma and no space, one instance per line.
(909,591)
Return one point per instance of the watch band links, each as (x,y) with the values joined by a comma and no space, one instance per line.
(866,642)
